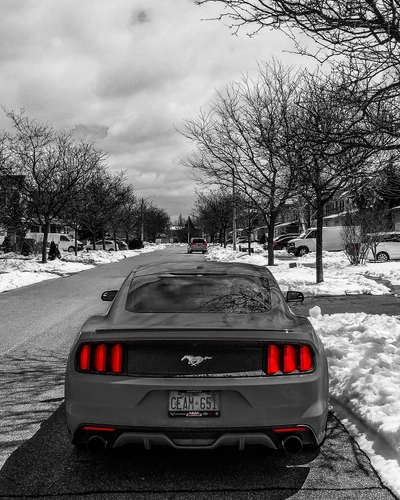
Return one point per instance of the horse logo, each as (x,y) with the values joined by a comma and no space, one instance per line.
(195,360)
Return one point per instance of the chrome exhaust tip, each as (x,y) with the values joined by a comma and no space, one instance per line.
(96,444)
(292,445)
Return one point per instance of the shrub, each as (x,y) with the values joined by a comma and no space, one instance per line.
(28,246)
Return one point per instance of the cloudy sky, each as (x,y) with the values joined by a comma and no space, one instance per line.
(125,74)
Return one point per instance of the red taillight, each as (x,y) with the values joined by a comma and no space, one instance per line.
(193,244)
(100,358)
(204,244)
(116,358)
(306,361)
(288,358)
(99,361)
(289,429)
(273,361)
(84,358)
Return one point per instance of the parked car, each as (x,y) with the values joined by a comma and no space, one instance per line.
(109,245)
(281,241)
(122,245)
(135,244)
(332,240)
(388,248)
(197,356)
(197,245)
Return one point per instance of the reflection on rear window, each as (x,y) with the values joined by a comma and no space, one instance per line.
(209,294)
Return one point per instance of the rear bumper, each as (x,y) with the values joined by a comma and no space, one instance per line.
(250,409)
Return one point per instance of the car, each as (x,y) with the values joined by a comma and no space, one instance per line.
(65,242)
(281,241)
(197,245)
(196,357)
(388,248)
(122,245)
(109,245)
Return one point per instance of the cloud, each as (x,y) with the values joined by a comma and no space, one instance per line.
(90,132)
(125,74)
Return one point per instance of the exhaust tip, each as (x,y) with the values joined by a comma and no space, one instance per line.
(96,444)
(293,445)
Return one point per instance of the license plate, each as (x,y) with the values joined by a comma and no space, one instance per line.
(194,404)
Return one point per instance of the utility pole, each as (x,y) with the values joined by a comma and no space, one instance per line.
(142,219)
(234,211)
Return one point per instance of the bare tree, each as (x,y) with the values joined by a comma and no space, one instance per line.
(239,142)
(327,162)
(214,208)
(157,221)
(366,30)
(51,165)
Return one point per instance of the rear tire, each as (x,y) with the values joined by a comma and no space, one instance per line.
(71,249)
(382,257)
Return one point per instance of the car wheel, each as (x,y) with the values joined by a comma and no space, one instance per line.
(382,257)
(111,250)
(302,251)
(71,249)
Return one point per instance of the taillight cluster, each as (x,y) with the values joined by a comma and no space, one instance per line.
(100,358)
(288,358)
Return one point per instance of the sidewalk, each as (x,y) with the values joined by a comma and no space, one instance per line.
(369,304)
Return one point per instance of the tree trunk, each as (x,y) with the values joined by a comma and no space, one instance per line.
(45,240)
(76,240)
(270,241)
(318,262)
(94,238)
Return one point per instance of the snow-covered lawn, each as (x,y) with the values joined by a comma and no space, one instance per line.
(363,350)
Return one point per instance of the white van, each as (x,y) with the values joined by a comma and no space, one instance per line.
(64,242)
(332,239)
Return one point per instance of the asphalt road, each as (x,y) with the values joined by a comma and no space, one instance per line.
(38,326)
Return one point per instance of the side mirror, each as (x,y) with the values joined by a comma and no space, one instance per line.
(294,297)
(109,295)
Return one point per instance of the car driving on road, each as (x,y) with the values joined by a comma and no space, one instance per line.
(197,245)
(196,357)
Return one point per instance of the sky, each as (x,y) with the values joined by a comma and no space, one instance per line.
(363,350)
(126,74)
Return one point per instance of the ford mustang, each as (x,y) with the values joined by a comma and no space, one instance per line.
(196,357)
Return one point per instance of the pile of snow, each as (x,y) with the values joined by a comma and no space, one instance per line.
(17,271)
(363,350)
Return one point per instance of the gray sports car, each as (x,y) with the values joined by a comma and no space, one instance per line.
(196,358)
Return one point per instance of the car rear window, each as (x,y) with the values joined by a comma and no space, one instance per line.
(198,294)
(198,240)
